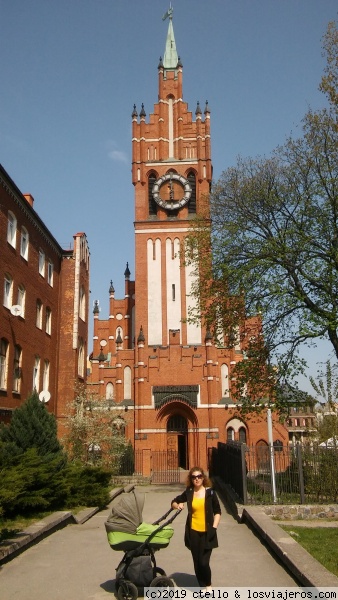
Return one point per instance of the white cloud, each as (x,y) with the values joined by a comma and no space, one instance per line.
(115,154)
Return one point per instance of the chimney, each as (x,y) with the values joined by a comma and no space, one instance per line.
(29,199)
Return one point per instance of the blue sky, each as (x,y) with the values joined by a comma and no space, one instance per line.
(71,71)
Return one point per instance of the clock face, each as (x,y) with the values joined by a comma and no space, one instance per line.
(171,191)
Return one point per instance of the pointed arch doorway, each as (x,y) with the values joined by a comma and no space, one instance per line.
(177,438)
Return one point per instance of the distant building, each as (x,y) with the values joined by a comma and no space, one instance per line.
(43,310)
(148,358)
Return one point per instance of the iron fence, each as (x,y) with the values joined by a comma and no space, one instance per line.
(161,466)
(302,474)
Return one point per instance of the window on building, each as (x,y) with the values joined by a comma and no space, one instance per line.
(127,383)
(45,376)
(11,229)
(81,362)
(22,299)
(17,369)
(225,380)
(42,261)
(3,363)
(48,320)
(242,435)
(24,243)
(39,314)
(82,302)
(230,434)
(8,291)
(50,271)
(36,374)
(109,391)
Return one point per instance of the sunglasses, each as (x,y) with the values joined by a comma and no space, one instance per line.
(197,476)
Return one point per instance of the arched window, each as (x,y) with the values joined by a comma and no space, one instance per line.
(22,299)
(45,382)
(81,357)
(192,202)
(242,435)
(225,380)
(42,260)
(39,314)
(82,302)
(127,383)
(24,243)
(17,369)
(109,391)
(230,434)
(8,291)
(48,320)
(3,363)
(36,374)
(151,202)
(11,229)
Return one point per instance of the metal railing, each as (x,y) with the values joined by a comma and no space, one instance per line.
(302,474)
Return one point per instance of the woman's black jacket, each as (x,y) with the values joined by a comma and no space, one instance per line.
(212,507)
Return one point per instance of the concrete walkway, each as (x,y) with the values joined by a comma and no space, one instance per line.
(76,563)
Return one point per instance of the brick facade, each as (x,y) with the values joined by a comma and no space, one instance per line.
(147,357)
(40,341)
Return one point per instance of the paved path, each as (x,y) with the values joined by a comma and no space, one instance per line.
(76,563)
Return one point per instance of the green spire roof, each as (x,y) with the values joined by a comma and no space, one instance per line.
(170,59)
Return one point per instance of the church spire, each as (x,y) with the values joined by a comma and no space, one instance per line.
(170,59)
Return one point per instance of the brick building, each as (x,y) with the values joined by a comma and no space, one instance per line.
(44,308)
(147,358)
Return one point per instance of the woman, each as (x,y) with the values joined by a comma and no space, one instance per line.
(204,514)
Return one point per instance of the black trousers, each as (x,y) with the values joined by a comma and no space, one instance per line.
(201,557)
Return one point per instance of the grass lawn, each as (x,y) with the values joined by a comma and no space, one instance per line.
(320,542)
(10,527)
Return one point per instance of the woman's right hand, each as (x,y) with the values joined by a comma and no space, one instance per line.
(180,506)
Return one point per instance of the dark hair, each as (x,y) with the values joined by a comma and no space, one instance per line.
(206,480)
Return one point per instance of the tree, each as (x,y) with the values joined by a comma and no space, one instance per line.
(95,431)
(31,426)
(274,239)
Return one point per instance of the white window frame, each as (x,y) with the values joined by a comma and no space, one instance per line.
(82,302)
(80,363)
(11,229)
(39,311)
(22,299)
(50,271)
(36,374)
(3,363)
(8,291)
(42,262)
(24,243)
(48,320)
(45,376)
(17,368)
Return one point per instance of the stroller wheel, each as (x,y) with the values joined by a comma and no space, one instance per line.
(162,582)
(159,571)
(127,591)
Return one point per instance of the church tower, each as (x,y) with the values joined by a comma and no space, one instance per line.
(166,377)
(171,172)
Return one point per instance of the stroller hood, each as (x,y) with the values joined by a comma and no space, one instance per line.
(126,510)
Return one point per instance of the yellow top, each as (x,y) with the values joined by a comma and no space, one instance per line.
(198,514)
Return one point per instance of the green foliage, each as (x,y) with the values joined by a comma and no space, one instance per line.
(274,240)
(87,486)
(95,432)
(31,426)
(32,482)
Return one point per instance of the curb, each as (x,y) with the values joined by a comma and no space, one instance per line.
(34,533)
(308,571)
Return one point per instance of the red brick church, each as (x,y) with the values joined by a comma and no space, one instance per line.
(166,374)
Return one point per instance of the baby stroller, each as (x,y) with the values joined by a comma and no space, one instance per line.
(139,541)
